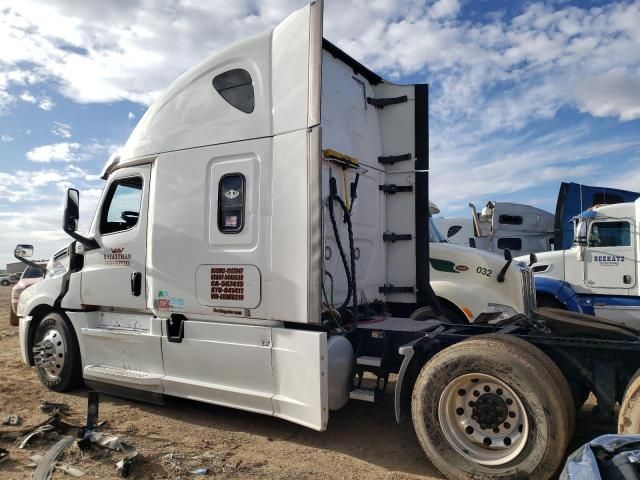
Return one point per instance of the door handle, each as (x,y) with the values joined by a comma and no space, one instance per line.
(626,279)
(136,283)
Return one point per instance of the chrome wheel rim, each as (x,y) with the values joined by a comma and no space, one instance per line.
(483,419)
(50,353)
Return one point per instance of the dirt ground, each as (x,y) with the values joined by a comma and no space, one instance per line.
(362,440)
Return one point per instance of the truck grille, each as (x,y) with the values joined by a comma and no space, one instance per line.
(528,291)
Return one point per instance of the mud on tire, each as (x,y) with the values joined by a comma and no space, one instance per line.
(65,372)
(474,438)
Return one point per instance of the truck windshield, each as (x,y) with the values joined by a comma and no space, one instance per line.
(434,234)
(32,272)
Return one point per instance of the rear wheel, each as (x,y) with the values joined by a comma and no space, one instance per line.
(629,416)
(489,408)
(56,354)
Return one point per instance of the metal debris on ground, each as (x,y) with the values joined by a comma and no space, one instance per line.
(199,471)
(52,407)
(11,420)
(89,436)
(68,469)
(4,455)
(46,466)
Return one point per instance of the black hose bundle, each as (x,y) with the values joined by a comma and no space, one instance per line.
(350,270)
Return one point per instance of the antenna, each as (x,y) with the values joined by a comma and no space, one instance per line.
(581,206)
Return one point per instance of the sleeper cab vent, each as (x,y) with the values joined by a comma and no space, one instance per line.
(236,87)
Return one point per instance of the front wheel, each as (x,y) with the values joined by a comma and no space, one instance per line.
(56,354)
(486,408)
(5,283)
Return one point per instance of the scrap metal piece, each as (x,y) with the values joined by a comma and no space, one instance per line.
(52,407)
(37,431)
(45,468)
(200,471)
(11,420)
(4,455)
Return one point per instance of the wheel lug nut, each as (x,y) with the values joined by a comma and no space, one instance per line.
(496,430)
(499,391)
(507,425)
(512,414)
(476,393)
(487,388)
(508,401)
(469,430)
(460,411)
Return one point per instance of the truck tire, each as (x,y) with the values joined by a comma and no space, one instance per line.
(64,372)
(452,313)
(14,320)
(557,381)
(629,415)
(488,408)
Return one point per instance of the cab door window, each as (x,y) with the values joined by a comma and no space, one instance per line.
(610,234)
(121,208)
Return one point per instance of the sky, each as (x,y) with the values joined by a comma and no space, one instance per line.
(523,95)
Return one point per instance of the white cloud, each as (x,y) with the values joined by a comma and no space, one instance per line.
(56,152)
(61,129)
(46,104)
(26,96)
(6,138)
(445,8)
(131,116)
(615,93)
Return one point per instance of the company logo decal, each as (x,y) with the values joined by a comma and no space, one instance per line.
(117,256)
(608,260)
(461,268)
(231,194)
(443,265)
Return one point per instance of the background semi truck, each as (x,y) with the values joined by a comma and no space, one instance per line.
(599,274)
(256,185)
(468,284)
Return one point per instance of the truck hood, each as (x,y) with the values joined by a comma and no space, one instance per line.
(549,264)
(468,255)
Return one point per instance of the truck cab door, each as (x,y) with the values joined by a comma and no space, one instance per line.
(610,259)
(114,273)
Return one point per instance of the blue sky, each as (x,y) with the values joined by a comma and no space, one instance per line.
(523,95)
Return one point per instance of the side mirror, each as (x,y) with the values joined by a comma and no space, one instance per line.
(71,211)
(508,256)
(23,251)
(71,217)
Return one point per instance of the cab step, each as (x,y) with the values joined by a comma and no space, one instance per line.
(369,361)
(106,373)
(363,394)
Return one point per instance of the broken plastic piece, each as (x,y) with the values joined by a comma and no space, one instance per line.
(68,469)
(45,468)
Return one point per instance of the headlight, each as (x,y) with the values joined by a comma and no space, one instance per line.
(505,311)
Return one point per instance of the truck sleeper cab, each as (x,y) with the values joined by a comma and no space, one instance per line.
(264,223)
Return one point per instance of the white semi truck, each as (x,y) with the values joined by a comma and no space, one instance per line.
(599,274)
(256,185)
(468,283)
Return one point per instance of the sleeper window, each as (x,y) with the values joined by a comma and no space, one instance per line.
(122,205)
(231,199)
(510,243)
(236,87)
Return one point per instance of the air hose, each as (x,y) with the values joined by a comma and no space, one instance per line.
(350,270)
